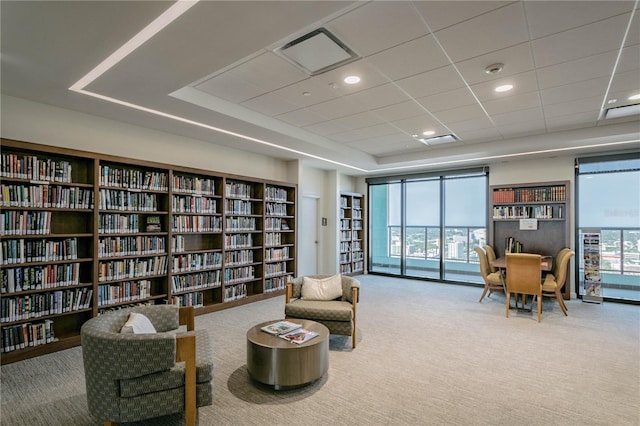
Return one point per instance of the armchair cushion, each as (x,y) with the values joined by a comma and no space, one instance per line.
(321,288)
(316,310)
(138,324)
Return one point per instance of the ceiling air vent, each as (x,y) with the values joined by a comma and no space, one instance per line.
(623,111)
(317,52)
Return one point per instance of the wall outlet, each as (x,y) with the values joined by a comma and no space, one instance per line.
(324,221)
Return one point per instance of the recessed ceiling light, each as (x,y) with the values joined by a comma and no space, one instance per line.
(634,97)
(428,133)
(504,88)
(352,79)
(306,93)
(494,68)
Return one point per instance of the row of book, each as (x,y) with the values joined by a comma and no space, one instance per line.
(530,195)
(349,235)
(356,214)
(25,222)
(137,245)
(17,166)
(115,199)
(45,196)
(275,224)
(273,269)
(196,224)
(194,185)
(235,292)
(234,275)
(511,245)
(116,223)
(191,204)
(275,283)
(21,250)
(196,261)
(39,277)
(207,279)
(122,177)
(238,257)
(276,209)
(43,304)
(195,299)
(526,212)
(237,207)
(238,241)
(276,254)
(273,239)
(126,291)
(20,336)
(272,193)
(240,223)
(237,190)
(132,268)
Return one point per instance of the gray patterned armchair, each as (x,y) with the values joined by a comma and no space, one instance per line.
(131,377)
(338,315)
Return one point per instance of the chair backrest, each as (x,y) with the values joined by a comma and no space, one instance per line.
(558,261)
(524,272)
(561,274)
(491,256)
(484,262)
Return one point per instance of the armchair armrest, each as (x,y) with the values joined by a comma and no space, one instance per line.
(187,317)
(186,352)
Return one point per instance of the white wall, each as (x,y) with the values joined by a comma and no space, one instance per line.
(33,122)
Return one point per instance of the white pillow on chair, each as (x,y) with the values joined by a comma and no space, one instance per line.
(321,288)
(138,324)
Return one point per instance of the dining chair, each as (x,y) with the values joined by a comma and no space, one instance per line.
(553,283)
(524,277)
(492,280)
(491,256)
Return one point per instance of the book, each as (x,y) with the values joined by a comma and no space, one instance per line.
(298,336)
(153,223)
(281,327)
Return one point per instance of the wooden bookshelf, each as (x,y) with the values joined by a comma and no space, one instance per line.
(351,233)
(546,202)
(83,233)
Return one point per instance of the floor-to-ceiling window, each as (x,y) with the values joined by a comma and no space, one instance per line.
(608,195)
(426,226)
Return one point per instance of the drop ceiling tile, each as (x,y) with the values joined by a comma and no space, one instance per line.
(378,97)
(516,59)
(268,71)
(442,14)
(364,133)
(410,58)
(494,30)
(595,38)
(270,105)
(633,38)
(230,87)
(626,81)
(344,124)
(519,130)
(464,113)
(399,111)
(512,103)
(431,82)
(522,83)
(569,122)
(550,17)
(377,26)
(586,68)
(385,145)
(301,117)
(473,125)
(480,135)
(317,93)
(367,72)
(573,107)
(448,100)
(335,108)
(629,59)
(571,92)
(513,117)
(419,124)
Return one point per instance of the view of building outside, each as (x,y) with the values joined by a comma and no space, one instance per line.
(609,202)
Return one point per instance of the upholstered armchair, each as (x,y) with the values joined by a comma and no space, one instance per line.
(131,376)
(337,314)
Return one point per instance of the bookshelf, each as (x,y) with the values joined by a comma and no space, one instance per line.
(351,234)
(546,202)
(83,233)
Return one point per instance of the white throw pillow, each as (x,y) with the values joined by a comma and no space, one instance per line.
(138,324)
(322,289)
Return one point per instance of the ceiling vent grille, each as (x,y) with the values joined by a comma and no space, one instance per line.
(317,52)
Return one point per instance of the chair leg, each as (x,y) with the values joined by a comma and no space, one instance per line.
(539,306)
(186,351)
(561,303)
(509,303)
(486,287)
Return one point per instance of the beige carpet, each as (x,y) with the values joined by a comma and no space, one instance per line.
(428,354)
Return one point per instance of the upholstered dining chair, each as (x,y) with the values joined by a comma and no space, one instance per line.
(153,369)
(334,308)
(491,256)
(553,283)
(492,280)
(524,277)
